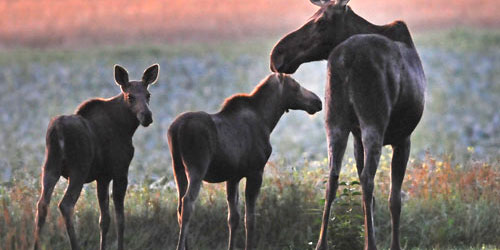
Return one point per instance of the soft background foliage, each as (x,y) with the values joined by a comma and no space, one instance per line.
(451,190)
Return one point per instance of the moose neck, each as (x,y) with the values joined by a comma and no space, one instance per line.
(268,104)
(396,31)
(125,121)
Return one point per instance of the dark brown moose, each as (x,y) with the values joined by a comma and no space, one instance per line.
(375,90)
(230,145)
(95,144)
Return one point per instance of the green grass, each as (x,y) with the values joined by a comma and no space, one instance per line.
(451,189)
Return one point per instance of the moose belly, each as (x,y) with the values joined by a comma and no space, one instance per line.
(220,172)
(401,126)
(217,175)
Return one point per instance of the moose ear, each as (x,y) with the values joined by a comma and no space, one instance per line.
(151,74)
(121,76)
(281,77)
(319,2)
(341,3)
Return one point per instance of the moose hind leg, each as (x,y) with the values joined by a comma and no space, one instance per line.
(359,155)
(400,156)
(372,143)
(67,205)
(50,176)
(182,184)
(187,208)
(337,142)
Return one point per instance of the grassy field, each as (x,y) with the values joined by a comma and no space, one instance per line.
(451,189)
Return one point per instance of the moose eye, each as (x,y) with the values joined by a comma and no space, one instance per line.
(148,96)
(131,98)
(320,21)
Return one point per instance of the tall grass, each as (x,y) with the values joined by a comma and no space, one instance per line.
(445,205)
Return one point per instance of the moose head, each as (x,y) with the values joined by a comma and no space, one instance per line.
(328,27)
(136,94)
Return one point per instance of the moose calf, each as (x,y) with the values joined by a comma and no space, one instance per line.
(95,144)
(230,145)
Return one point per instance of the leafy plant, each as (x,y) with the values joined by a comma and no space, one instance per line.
(346,226)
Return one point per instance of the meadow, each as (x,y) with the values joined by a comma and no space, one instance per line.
(451,190)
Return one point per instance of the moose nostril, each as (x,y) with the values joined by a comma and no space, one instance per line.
(276,61)
(145,117)
(318,104)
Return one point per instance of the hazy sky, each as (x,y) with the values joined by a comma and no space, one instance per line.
(49,21)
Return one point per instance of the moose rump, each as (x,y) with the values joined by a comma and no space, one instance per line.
(193,140)
(71,141)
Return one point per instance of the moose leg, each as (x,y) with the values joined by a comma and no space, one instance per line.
(337,141)
(252,189)
(50,176)
(67,204)
(372,143)
(104,219)
(182,183)
(233,218)
(401,152)
(359,155)
(187,207)
(119,190)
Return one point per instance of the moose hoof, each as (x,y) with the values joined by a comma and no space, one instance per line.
(321,246)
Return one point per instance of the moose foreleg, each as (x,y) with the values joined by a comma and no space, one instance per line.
(104,219)
(233,218)
(252,189)
(119,190)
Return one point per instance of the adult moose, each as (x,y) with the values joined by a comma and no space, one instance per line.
(375,90)
(230,145)
(95,143)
